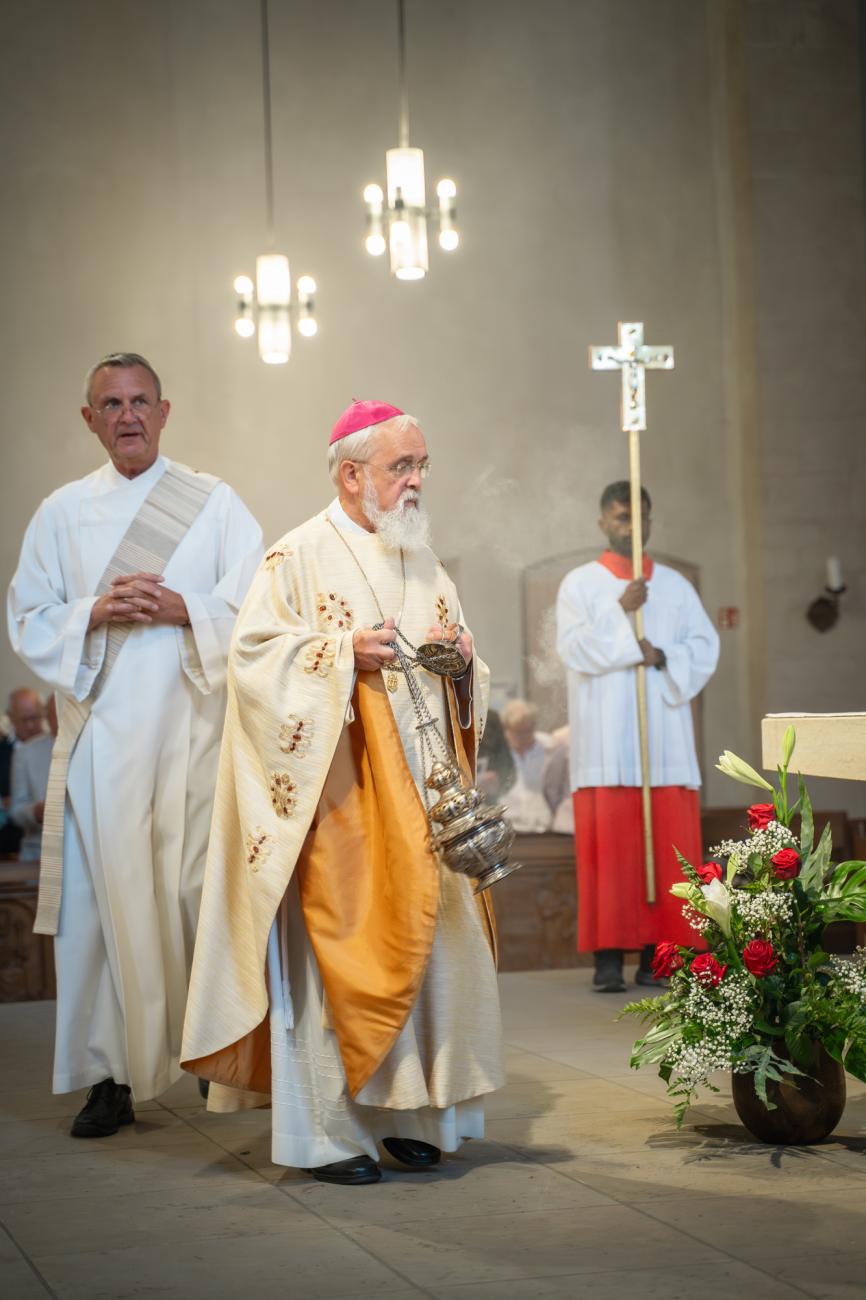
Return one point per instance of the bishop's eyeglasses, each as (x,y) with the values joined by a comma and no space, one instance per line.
(401,468)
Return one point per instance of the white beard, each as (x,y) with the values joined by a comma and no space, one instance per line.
(406,527)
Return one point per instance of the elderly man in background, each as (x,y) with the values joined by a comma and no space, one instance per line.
(124,601)
(527,807)
(25,713)
(31,763)
(340,968)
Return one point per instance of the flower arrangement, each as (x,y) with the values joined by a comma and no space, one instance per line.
(763,993)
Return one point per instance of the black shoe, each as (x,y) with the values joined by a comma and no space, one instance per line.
(350,1173)
(644,975)
(608,971)
(417,1155)
(109,1105)
(203,1088)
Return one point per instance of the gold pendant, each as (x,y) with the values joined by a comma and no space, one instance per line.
(391,681)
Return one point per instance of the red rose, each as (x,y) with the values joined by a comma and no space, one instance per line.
(707,970)
(760,815)
(667,959)
(786,864)
(759,958)
(710,871)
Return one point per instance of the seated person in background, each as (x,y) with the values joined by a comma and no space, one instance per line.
(25,720)
(527,807)
(556,781)
(30,764)
(496,770)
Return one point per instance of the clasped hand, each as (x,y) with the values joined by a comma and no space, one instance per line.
(139,598)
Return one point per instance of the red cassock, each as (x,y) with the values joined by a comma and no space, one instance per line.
(612,908)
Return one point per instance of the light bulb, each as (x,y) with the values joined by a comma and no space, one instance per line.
(376,245)
(405,168)
(410,273)
(307,326)
(274,283)
(244,327)
(243,286)
(448,240)
(306,286)
(446,189)
(373,194)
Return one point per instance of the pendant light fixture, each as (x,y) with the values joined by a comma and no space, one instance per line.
(265,307)
(398,218)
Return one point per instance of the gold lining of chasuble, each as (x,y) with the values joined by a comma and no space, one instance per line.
(368,882)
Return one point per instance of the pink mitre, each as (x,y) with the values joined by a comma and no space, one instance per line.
(362,415)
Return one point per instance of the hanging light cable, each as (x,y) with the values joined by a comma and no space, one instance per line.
(266,306)
(402,208)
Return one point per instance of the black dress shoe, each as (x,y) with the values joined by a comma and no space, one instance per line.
(109,1105)
(203,1088)
(417,1155)
(608,971)
(351,1172)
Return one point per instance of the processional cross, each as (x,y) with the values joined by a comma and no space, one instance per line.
(632,357)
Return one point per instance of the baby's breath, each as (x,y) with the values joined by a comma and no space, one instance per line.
(765,842)
(761,913)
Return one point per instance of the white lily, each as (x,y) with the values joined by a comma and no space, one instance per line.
(717,905)
(739,770)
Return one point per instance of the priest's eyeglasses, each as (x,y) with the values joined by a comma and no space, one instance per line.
(112,409)
(401,468)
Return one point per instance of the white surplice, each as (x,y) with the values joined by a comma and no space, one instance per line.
(142,774)
(597,644)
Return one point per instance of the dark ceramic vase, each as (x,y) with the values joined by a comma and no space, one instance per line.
(807,1109)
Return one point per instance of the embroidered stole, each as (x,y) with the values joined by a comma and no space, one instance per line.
(160,525)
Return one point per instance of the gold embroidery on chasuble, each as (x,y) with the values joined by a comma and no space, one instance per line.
(276,556)
(296,735)
(442,611)
(283,794)
(259,845)
(320,658)
(333,613)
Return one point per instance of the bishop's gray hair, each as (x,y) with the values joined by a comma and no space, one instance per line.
(357,446)
(121,361)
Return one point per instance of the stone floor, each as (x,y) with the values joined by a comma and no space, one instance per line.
(582,1187)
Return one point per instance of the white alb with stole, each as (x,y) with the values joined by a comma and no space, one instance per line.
(141,774)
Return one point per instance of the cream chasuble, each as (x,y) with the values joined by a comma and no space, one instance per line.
(293,761)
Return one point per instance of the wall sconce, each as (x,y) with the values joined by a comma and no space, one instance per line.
(823,613)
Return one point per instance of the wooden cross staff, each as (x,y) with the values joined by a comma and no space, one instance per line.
(632,357)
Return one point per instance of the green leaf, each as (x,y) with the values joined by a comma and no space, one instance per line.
(807,825)
(812,871)
(789,740)
(845,893)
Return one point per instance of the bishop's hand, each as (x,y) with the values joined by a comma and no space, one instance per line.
(634,595)
(454,634)
(372,648)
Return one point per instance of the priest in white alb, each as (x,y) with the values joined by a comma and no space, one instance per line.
(124,601)
(340,969)
(597,643)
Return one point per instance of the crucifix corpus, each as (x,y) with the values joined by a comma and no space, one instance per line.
(632,357)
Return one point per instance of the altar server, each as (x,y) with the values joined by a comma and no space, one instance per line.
(597,643)
(124,601)
(340,969)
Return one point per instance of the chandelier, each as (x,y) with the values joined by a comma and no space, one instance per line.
(265,306)
(403,211)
